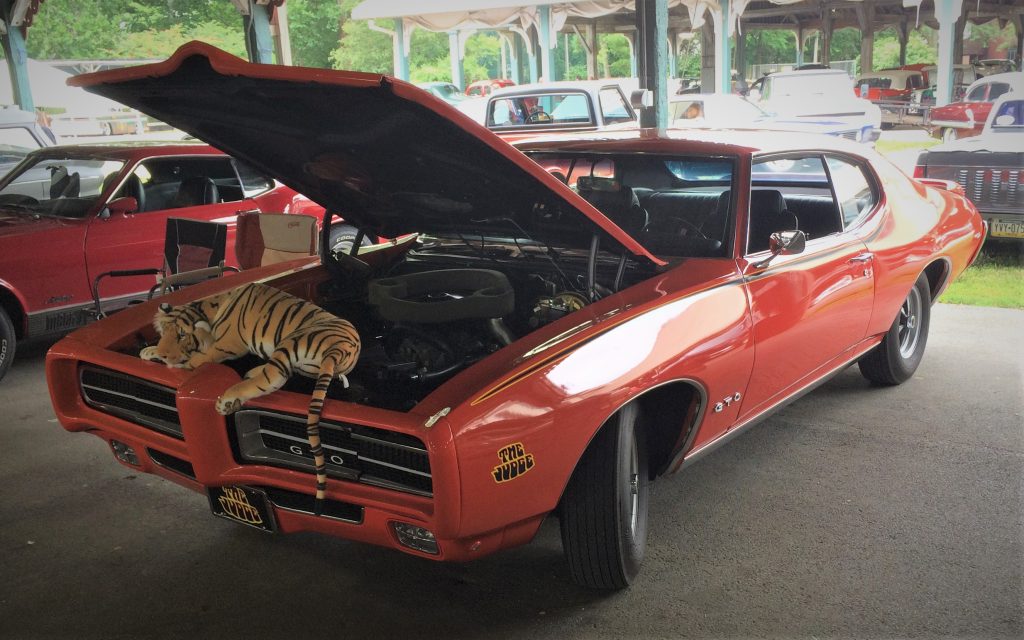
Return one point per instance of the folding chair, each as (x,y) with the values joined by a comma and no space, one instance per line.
(269,238)
(193,252)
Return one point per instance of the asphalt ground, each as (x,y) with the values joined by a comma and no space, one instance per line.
(855,512)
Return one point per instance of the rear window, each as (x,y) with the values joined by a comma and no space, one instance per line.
(541,110)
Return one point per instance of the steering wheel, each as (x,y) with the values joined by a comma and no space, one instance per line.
(18,199)
(538,117)
(689,225)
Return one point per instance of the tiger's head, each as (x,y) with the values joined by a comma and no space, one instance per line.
(183,330)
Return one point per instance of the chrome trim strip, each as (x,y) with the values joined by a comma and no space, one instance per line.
(764,413)
(125,395)
(172,429)
(395,466)
(250,431)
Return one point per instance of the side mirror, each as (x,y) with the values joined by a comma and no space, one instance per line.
(784,243)
(121,206)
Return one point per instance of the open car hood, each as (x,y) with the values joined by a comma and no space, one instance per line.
(385,155)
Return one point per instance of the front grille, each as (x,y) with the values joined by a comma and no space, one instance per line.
(353,452)
(133,399)
(992,189)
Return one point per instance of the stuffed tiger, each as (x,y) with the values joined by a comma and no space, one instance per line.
(292,335)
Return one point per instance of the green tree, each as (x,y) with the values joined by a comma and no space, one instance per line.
(315,30)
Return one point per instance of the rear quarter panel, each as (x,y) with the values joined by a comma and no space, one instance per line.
(914,227)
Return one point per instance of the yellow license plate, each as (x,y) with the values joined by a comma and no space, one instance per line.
(245,505)
(1007,229)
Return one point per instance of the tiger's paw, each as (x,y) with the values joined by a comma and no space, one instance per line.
(150,354)
(227,405)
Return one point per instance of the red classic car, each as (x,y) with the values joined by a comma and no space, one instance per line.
(889,84)
(967,117)
(544,346)
(483,88)
(53,243)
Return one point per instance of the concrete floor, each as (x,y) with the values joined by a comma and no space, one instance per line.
(857,512)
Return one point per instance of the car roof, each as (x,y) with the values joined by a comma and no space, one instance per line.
(807,72)
(11,116)
(891,73)
(1014,78)
(710,141)
(556,87)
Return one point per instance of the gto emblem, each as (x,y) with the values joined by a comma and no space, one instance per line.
(514,462)
(720,406)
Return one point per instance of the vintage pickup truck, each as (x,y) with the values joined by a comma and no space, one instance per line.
(989,167)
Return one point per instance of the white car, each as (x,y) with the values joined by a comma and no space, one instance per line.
(815,94)
(730,111)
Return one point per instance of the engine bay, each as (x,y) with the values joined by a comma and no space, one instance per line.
(441,306)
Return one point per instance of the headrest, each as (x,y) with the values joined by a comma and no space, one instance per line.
(767,202)
(195,191)
(618,203)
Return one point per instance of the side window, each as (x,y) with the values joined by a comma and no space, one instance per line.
(253,182)
(613,105)
(977,94)
(853,191)
(178,182)
(790,193)
(997,89)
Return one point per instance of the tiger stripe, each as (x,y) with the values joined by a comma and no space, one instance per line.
(290,334)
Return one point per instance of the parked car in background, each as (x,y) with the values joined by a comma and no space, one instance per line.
(963,76)
(889,85)
(816,94)
(486,87)
(70,213)
(444,90)
(989,167)
(993,66)
(124,122)
(967,117)
(730,111)
(570,106)
(540,349)
(20,134)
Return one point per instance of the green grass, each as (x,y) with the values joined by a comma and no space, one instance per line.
(992,281)
(888,146)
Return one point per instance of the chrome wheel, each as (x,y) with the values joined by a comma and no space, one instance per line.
(909,323)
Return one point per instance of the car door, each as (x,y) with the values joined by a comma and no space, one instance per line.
(809,309)
(166,187)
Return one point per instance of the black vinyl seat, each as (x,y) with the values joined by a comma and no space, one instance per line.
(768,215)
(196,191)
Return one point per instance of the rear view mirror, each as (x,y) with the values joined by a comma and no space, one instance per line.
(595,183)
(784,243)
(122,206)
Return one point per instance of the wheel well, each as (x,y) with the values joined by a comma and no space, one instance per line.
(669,415)
(937,274)
(11,305)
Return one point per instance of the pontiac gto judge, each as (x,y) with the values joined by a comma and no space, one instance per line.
(557,326)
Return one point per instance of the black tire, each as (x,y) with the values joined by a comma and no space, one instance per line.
(8,343)
(897,357)
(343,236)
(603,514)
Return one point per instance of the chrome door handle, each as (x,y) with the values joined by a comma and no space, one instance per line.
(864,257)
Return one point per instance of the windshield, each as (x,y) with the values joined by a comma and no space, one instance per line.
(722,113)
(673,206)
(543,109)
(62,186)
